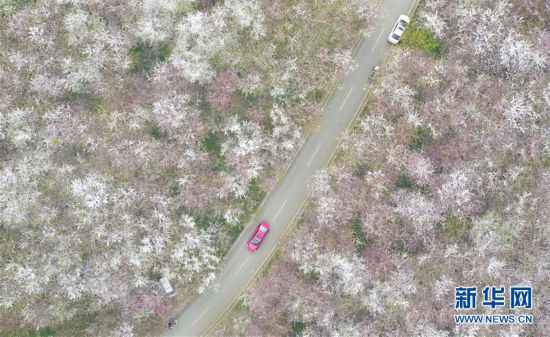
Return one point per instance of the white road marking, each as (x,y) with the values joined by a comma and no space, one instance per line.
(280,210)
(242,265)
(200,316)
(411,8)
(345,99)
(377,39)
(313,155)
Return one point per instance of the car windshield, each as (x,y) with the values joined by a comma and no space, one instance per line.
(403,23)
(395,36)
(263,229)
(255,240)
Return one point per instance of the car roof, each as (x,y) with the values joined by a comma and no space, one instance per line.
(404,18)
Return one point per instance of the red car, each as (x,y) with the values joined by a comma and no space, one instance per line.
(259,235)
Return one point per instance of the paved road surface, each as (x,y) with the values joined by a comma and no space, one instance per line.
(286,199)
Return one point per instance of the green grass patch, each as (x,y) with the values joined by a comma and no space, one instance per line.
(312,276)
(292,94)
(403,181)
(456,228)
(105,318)
(359,237)
(243,102)
(45,332)
(88,101)
(212,144)
(234,232)
(153,130)
(422,136)
(73,153)
(273,261)
(427,273)
(145,55)
(400,247)
(315,95)
(419,95)
(10,7)
(9,238)
(208,218)
(527,180)
(174,189)
(210,116)
(360,169)
(154,274)
(280,49)
(148,325)
(218,63)
(419,37)
(242,304)
(251,99)
(29,332)
(254,197)
(297,328)
(267,123)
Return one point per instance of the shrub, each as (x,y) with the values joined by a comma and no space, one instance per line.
(297,328)
(211,143)
(233,232)
(359,237)
(422,136)
(315,95)
(174,189)
(46,332)
(87,100)
(403,181)
(455,228)
(254,197)
(312,276)
(101,320)
(29,332)
(205,219)
(10,7)
(255,192)
(422,38)
(145,55)
(360,169)
(398,246)
(419,94)
(154,130)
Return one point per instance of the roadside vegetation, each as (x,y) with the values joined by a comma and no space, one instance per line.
(445,174)
(420,37)
(137,138)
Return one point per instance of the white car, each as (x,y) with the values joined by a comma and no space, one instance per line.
(398,29)
(167,287)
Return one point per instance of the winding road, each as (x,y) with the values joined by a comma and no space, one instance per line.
(285,202)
